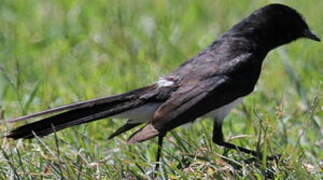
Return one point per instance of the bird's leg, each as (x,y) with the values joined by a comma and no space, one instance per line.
(219,140)
(160,146)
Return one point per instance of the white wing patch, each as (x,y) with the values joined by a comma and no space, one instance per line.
(162,82)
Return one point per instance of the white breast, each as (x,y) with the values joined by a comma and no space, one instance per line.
(220,113)
(145,113)
(140,114)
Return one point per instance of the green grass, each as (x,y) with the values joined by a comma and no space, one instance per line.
(57,52)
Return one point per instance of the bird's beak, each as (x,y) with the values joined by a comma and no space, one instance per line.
(310,35)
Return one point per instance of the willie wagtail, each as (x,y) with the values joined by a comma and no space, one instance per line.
(209,84)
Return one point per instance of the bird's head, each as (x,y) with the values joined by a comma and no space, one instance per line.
(275,25)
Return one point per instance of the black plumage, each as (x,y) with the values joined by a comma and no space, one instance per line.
(221,74)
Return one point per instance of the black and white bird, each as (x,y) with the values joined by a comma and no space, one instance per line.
(209,84)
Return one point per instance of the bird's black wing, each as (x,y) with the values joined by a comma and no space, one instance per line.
(194,98)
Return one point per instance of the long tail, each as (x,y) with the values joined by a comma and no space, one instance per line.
(79,113)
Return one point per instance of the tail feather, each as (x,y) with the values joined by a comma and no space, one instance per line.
(84,113)
(84,104)
(126,127)
(143,134)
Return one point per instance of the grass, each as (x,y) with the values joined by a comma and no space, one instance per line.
(57,52)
